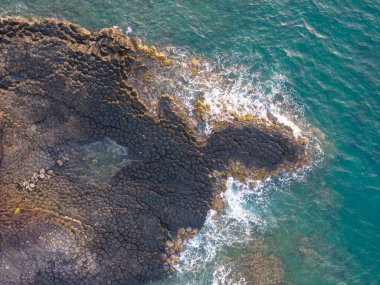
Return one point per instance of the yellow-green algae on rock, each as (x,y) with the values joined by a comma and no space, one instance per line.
(64,88)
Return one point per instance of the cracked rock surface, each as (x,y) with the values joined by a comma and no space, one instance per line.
(127,180)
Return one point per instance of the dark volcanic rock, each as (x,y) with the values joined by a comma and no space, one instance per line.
(64,91)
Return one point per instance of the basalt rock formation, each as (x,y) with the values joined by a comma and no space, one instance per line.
(93,183)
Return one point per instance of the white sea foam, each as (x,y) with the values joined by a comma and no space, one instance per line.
(128,30)
(221,275)
(285,121)
(313,31)
(234,226)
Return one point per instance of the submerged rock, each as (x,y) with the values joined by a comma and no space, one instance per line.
(259,268)
(64,89)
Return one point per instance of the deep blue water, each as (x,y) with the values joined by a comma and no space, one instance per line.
(319,61)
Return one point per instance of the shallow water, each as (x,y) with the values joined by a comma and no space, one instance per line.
(311,61)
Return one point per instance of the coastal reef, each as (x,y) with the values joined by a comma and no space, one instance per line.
(98,185)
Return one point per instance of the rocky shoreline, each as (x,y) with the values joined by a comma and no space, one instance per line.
(64,89)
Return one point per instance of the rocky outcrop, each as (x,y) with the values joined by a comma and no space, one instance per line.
(64,91)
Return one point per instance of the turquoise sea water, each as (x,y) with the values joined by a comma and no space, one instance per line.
(320,62)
